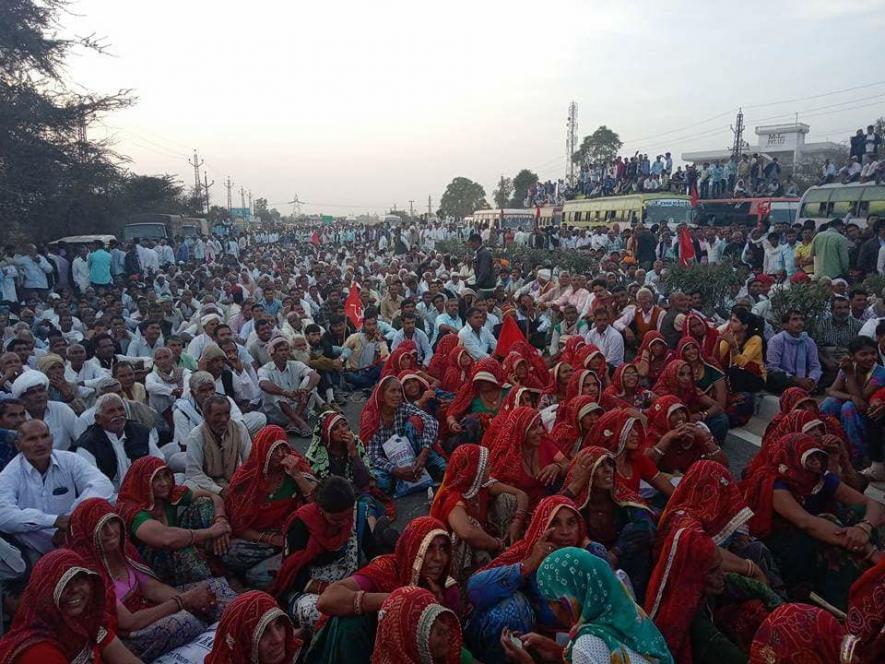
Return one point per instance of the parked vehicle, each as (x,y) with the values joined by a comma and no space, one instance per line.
(74,241)
(730,211)
(829,201)
(154,226)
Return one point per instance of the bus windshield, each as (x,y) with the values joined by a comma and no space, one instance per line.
(516,221)
(666,209)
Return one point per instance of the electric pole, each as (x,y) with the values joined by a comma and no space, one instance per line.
(196,163)
(738,131)
(243,202)
(572,140)
(429,206)
(206,185)
(251,211)
(229,186)
(411,209)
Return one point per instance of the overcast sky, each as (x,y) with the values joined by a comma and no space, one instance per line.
(357,106)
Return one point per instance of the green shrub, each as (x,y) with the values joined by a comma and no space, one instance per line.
(714,281)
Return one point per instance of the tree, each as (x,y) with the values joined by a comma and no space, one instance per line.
(462,198)
(261,210)
(521,183)
(602,145)
(503,192)
(53,178)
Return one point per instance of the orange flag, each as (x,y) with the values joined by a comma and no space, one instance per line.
(353,306)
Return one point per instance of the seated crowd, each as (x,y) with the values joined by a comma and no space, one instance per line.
(180,482)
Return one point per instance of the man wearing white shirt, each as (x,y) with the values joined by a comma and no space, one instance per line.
(113,442)
(31,387)
(288,388)
(80,270)
(410,331)
(165,253)
(40,488)
(606,338)
(475,338)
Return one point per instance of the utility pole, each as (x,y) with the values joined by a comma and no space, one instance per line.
(243,200)
(429,206)
(229,186)
(206,185)
(196,163)
(251,211)
(411,209)
(572,140)
(738,131)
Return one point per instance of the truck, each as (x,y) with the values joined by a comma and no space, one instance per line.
(153,226)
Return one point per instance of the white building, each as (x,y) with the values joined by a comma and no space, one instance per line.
(785,141)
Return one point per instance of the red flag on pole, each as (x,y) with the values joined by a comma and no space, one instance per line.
(686,246)
(510,334)
(693,192)
(353,306)
(315,239)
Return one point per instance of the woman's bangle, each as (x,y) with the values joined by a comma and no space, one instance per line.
(358,602)
(193,538)
(219,517)
(749,571)
(178,601)
(520,514)
(658,450)
(869,526)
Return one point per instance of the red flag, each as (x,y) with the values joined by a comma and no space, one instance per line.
(315,239)
(686,246)
(510,334)
(693,192)
(353,306)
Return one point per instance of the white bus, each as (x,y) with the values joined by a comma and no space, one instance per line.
(829,201)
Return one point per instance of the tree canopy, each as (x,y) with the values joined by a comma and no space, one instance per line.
(602,145)
(54,179)
(462,198)
(503,192)
(521,183)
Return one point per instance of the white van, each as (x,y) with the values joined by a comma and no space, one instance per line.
(829,201)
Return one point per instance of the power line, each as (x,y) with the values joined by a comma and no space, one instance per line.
(823,94)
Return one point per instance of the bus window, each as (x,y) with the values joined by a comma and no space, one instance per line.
(872,201)
(578,215)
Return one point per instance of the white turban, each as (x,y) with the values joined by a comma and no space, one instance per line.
(544,274)
(29,379)
(209,318)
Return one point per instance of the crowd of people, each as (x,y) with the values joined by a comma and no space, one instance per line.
(750,175)
(175,450)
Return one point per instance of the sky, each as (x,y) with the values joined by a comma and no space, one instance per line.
(356,106)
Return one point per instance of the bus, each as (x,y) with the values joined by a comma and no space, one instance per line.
(829,201)
(731,211)
(549,215)
(506,218)
(673,209)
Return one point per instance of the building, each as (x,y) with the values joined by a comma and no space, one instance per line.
(784,141)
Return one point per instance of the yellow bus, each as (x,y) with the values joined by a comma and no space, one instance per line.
(672,209)
(549,215)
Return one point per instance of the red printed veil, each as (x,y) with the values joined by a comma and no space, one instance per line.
(136,491)
(242,625)
(403,566)
(247,502)
(404,625)
(40,618)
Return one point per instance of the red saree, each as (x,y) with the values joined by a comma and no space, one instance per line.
(137,493)
(248,503)
(463,483)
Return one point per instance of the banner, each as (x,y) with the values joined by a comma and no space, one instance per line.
(353,306)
